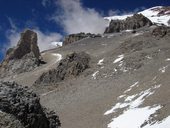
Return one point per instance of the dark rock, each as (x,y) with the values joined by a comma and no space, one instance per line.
(25,106)
(71,66)
(161,31)
(169,22)
(22,58)
(76,37)
(134,22)
(26,44)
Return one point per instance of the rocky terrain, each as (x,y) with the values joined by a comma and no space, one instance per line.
(69,67)
(134,22)
(76,37)
(25,108)
(22,58)
(116,80)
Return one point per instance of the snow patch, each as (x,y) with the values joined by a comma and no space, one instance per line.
(133,115)
(58,56)
(168,59)
(150,13)
(163,69)
(94,75)
(128,90)
(100,62)
(120,57)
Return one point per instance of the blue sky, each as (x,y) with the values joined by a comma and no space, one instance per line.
(52,19)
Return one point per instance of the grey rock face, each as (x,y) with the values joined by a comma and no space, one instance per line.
(161,31)
(134,22)
(25,106)
(26,44)
(75,37)
(9,121)
(71,66)
(22,58)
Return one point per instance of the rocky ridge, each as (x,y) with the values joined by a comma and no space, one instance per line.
(71,66)
(76,37)
(22,58)
(130,23)
(24,105)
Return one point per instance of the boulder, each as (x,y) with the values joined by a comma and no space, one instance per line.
(73,65)
(25,106)
(134,22)
(161,31)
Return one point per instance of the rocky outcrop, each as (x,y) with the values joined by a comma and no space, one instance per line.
(25,106)
(134,22)
(22,58)
(9,121)
(161,31)
(76,37)
(71,66)
(26,45)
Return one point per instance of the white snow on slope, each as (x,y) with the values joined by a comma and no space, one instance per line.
(100,62)
(58,56)
(119,58)
(133,118)
(133,115)
(95,74)
(149,13)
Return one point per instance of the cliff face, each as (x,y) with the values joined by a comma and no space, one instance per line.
(76,37)
(22,58)
(134,22)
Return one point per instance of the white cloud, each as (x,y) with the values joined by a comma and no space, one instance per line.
(45,39)
(75,18)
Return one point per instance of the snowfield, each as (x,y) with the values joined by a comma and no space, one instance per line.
(133,115)
(150,13)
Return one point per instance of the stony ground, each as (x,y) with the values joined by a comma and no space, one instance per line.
(127,58)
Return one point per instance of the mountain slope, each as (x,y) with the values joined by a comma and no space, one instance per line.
(128,73)
(158,15)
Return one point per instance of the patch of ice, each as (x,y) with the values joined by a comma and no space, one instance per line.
(100,62)
(1,111)
(163,124)
(95,74)
(120,57)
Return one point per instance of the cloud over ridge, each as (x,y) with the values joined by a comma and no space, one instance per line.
(75,18)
